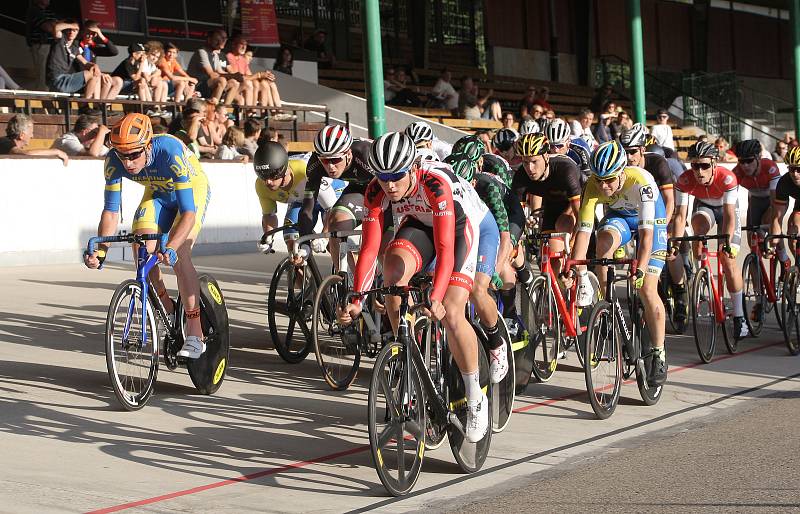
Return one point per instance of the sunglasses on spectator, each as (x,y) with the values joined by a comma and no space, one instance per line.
(331,160)
(701,165)
(130,156)
(749,160)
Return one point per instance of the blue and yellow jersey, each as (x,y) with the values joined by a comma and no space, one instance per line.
(171,173)
(639,196)
(269,199)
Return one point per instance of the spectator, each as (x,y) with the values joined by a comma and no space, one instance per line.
(281,139)
(486,138)
(86,138)
(134,80)
(251,89)
(68,71)
(623,122)
(581,127)
(94,43)
(542,94)
(469,104)
(662,131)
(160,129)
(403,94)
(724,149)
(231,141)
(602,131)
(317,43)
(537,112)
(550,114)
(179,83)
(388,86)
(158,87)
(601,97)
(780,151)
(443,94)
(42,28)
(191,121)
(252,132)
(508,121)
(6,82)
(527,102)
(206,65)
(269,96)
(19,132)
(284,61)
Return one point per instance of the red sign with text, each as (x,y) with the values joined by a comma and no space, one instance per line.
(259,22)
(103,12)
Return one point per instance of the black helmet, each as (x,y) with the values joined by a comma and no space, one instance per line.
(504,139)
(747,149)
(703,149)
(270,160)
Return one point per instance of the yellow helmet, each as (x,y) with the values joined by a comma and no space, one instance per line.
(792,156)
(532,144)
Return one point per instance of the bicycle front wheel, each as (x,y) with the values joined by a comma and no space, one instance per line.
(396,420)
(753,298)
(289,303)
(790,311)
(131,353)
(545,331)
(603,368)
(704,319)
(335,347)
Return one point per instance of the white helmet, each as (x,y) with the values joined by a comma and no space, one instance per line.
(528,126)
(558,132)
(333,141)
(419,132)
(393,152)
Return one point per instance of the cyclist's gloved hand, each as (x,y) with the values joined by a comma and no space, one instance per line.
(300,254)
(265,244)
(94,261)
(731,250)
(638,279)
(169,255)
(497,282)
(320,245)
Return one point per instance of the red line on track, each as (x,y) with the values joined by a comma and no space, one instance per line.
(359,449)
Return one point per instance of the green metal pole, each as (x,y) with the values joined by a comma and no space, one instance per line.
(795,17)
(373,57)
(637,60)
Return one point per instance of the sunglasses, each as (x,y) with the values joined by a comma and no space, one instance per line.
(392,177)
(631,151)
(331,160)
(607,180)
(749,160)
(130,156)
(701,165)
(793,169)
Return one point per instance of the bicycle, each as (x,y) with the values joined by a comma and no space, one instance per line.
(134,316)
(338,350)
(762,289)
(790,299)
(613,351)
(415,400)
(708,310)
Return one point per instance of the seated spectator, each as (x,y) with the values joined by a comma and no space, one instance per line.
(317,43)
(602,131)
(526,103)
(470,105)
(542,94)
(134,81)
(219,122)
(19,132)
(537,112)
(485,136)
(179,83)
(284,61)
(508,121)
(662,131)
(581,127)
(724,149)
(622,123)
(781,148)
(94,43)
(43,27)
(252,132)
(601,97)
(6,82)
(68,71)
(207,66)
(191,121)
(86,138)
(404,95)
(388,86)
(231,141)
(550,114)
(259,88)
(158,86)
(443,95)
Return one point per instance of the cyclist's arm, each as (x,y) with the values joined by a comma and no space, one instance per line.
(729,213)
(585,224)
(779,209)
(647,220)
(668,195)
(534,202)
(269,222)
(681,209)
(371,235)
(305,220)
(440,198)
(575,211)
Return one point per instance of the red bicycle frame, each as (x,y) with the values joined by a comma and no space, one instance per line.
(756,241)
(705,254)
(568,311)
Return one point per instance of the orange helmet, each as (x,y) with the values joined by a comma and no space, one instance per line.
(131,133)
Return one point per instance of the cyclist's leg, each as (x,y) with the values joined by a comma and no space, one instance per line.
(151,217)
(651,301)
(290,235)
(346,214)
(564,223)
(485,306)
(612,233)
(409,252)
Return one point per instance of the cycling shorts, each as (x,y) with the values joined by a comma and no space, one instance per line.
(488,244)
(159,212)
(352,203)
(552,210)
(292,215)
(627,226)
(713,215)
(756,208)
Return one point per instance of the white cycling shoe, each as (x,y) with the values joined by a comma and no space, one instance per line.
(477,420)
(193,348)
(498,367)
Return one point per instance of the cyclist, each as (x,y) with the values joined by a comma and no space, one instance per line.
(337,156)
(283,180)
(503,142)
(760,177)
(422,135)
(634,141)
(528,126)
(634,204)
(561,143)
(715,190)
(441,214)
(175,199)
(788,187)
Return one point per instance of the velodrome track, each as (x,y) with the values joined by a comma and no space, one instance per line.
(274,438)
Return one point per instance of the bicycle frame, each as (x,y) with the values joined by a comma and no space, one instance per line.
(568,311)
(757,240)
(703,262)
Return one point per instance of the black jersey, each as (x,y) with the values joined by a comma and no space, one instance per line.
(562,185)
(659,168)
(358,175)
(786,189)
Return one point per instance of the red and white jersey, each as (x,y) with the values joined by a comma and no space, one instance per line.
(763,182)
(439,199)
(724,188)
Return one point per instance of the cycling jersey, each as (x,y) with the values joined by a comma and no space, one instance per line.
(638,196)
(174,183)
(561,186)
(496,165)
(441,148)
(786,189)
(763,182)
(659,168)
(441,205)
(722,190)
(580,152)
(489,190)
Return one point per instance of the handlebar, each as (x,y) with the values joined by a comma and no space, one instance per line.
(339,234)
(704,238)
(419,283)
(91,247)
(633,263)
(548,236)
(274,231)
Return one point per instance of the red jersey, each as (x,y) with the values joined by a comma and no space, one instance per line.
(723,189)
(763,182)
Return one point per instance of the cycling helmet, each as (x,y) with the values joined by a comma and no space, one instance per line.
(557,132)
(608,160)
(471,146)
(747,149)
(419,132)
(529,126)
(634,136)
(651,140)
(462,165)
(580,152)
(532,144)
(270,160)
(792,156)
(393,152)
(702,149)
(131,133)
(653,148)
(333,141)
(426,154)
(504,139)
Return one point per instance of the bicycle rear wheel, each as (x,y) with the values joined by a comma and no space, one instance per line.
(470,457)
(650,395)
(289,306)
(503,391)
(396,420)
(523,350)
(132,362)
(545,331)
(753,299)
(704,319)
(336,349)
(790,310)
(430,335)
(603,369)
